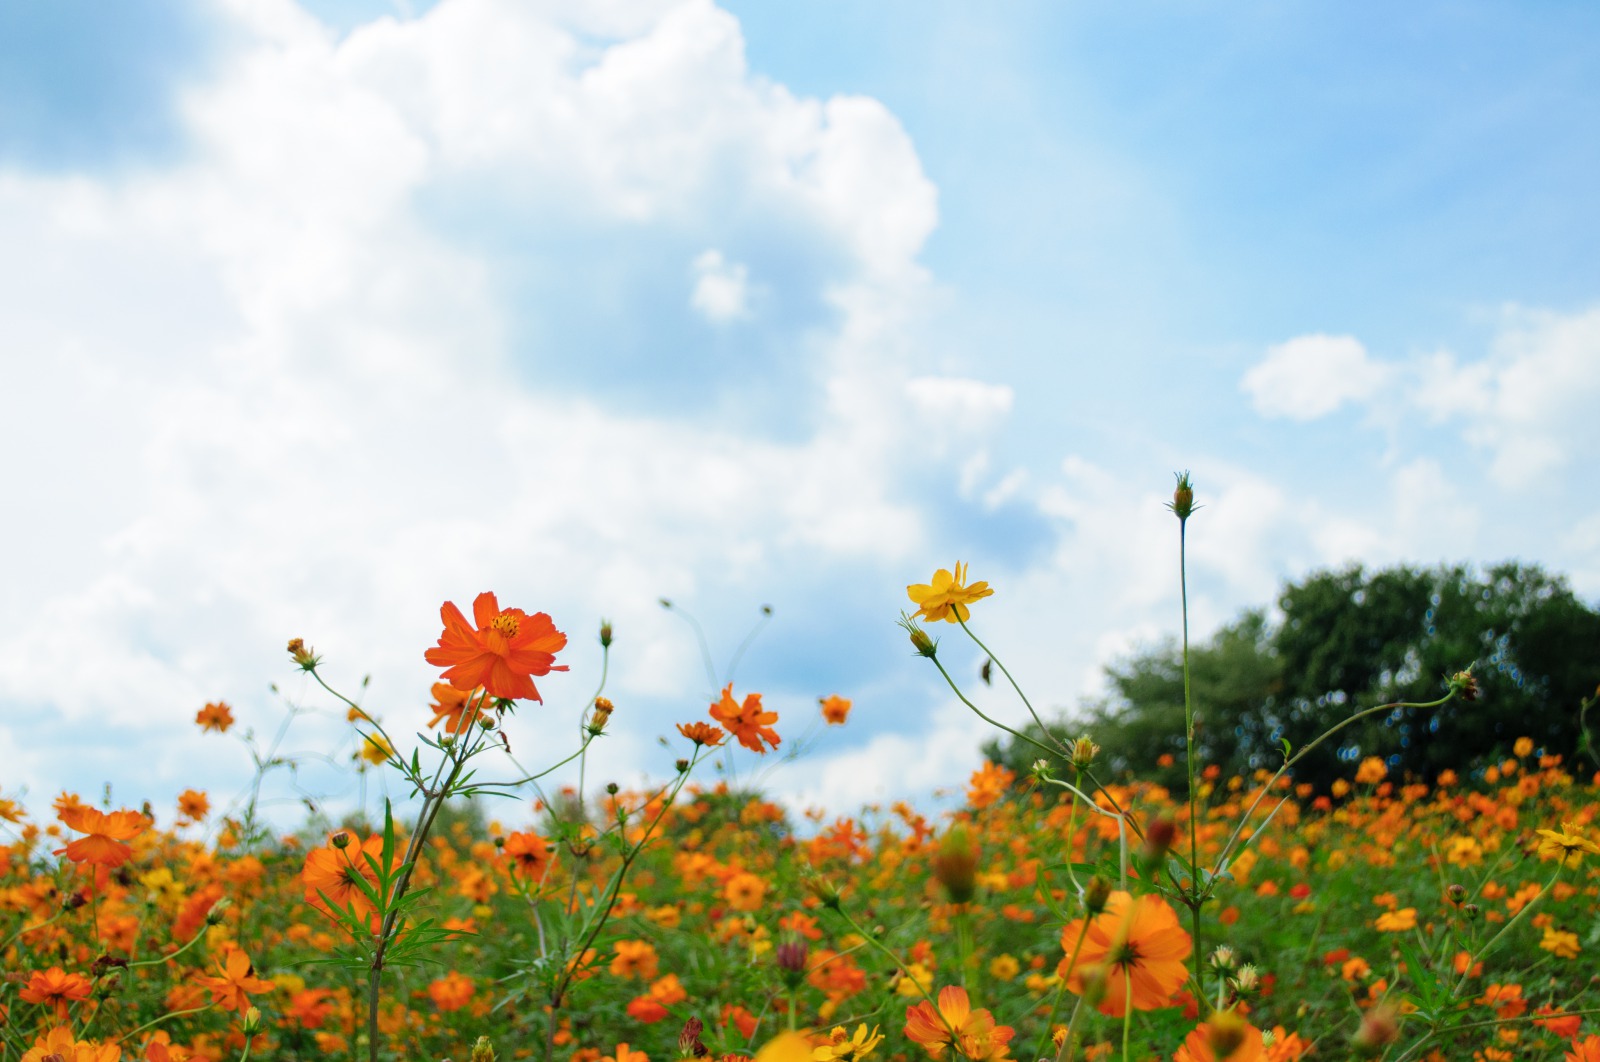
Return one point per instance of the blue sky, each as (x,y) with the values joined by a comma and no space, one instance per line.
(321,314)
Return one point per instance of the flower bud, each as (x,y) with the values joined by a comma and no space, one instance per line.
(252,1021)
(791,959)
(1084,751)
(605,634)
(340,840)
(1096,981)
(303,657)
(823,889)
(482,1051)
(1248,980)
(1182,504)
(955,864)
(1472,911)
(1096,895)
(1455,893)
(682,765)
(1466,684)
(924,645)
(1223,958)
(689,1045)
(1380,1027)
(600,714)
(1158,838)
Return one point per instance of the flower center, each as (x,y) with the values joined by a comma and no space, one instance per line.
(505,624)
(1125,955)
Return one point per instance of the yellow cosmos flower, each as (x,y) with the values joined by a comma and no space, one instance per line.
(1566,845)
(948,596)
(841,1048)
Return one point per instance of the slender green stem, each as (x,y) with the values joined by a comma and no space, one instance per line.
(1127,1008)
(979,712)
(1029,704)
(1189,748)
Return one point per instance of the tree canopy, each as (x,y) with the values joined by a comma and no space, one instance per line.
(1343,641)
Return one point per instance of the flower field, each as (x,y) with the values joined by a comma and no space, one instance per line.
(1077,917)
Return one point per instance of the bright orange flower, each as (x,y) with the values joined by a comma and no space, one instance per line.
(973,1032)
(669,991)
(309,1007)
(106,834)
(56,988)
(835,710)
(501,654)
(193,805)
(1372,771)
(948,596)
(626,1054)
(1400,921)
(702,734)
(60,1044)
(635,958)
(160,1048)
(334,872)
(647,1009)
(452,991)
(530,855)
(215,716)
(1588,1051)
(234,981)
(1137,941)
(1223,1037)
(745,891)
(450,708)
(746,722)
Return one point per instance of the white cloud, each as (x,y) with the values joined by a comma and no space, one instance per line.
(1530,403)
(721,288)
(959,405)
(294,406)
(1311,376)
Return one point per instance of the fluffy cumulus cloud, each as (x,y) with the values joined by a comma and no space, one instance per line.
(1311,376)
(1529,403)
(286,383)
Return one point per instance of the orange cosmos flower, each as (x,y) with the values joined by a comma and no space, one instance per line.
(452,991)
(501,654)
(702,734)
(56,988)
(1223,1037)
(745,891)
(193,805)
(1140,945)
(635,958)
(626,1054)
(334,871)
(59,1043)
(215,716)
(234,981)
(835,710)
(106,834)
(948,596)
(973,1032)
(1588,1051)
(746,722)
(450,708)
(529,854)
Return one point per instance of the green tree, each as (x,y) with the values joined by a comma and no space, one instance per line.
(1348,640)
